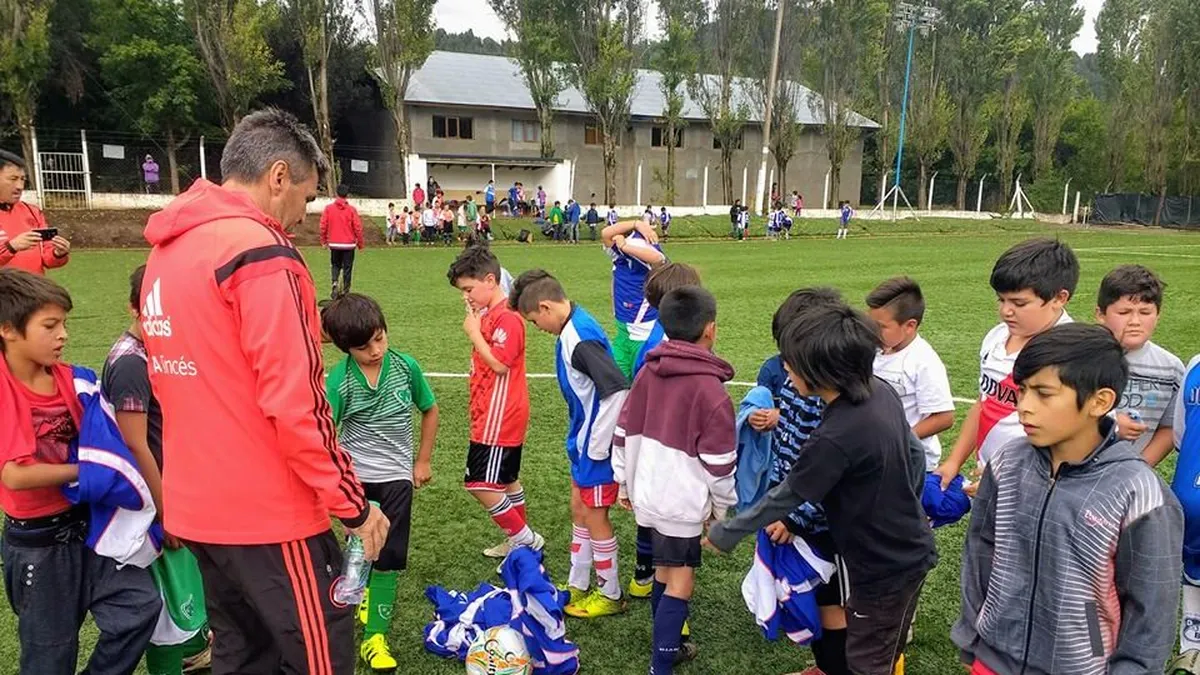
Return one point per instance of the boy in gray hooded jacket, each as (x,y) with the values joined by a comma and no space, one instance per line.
(1071,562)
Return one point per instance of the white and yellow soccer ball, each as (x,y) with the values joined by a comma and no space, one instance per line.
(499,651)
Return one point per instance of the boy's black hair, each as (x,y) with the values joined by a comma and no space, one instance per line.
(533,288)
(666,278)
(1087,356)
(22,294)
(832,347)
(556,202)
(10,159)
(343,190)
(593,205)
(902,296)
(352,320)
(685,312)
(135,286)
(475,262)
(1133,281)
(392,205)
(801,301)
(612,206)
(1044,266)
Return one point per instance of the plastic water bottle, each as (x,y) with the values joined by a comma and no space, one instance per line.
(350,588)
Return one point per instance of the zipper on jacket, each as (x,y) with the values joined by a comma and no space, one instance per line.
(1037,557)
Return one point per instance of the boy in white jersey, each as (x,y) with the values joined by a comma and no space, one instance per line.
(910,364)
(1128,304)
(1033,282)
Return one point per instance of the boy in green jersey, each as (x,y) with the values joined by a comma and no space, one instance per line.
(373,393)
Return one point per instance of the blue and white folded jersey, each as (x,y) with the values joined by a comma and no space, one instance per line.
(121,522)
(594,389)
(530,605)
(629,289)
(780,588)
(1186,483)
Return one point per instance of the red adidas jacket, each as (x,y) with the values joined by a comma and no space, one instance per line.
(341,226)
(17,220)
(229,317)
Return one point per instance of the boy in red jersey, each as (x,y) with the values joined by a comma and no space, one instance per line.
(499,406)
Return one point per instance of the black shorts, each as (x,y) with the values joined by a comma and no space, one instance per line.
(877,622)
(836,591)
(491,467)
(675,551)
(395,500)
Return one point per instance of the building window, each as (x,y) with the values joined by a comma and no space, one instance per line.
(658,137)
(592,136)
(453,127)
(737,143)
(524,131)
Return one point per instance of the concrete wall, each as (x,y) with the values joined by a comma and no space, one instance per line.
(492,131)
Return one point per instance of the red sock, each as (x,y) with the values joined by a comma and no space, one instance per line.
(507,517)
(518,501)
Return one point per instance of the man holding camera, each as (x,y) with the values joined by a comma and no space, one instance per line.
(26,242)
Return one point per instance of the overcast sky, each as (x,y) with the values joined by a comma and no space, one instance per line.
(456,16)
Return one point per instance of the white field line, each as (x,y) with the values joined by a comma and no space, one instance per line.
(549,376)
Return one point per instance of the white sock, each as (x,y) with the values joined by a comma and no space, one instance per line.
(522,538)
(1189,625)
(605,553)
(581,558)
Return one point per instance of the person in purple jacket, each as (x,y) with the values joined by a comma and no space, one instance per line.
(150,174)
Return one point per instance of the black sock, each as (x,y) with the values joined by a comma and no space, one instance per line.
(645,555)
(830,652)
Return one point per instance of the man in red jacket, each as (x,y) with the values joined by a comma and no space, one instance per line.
(252,469)
(341,233)
(23,230)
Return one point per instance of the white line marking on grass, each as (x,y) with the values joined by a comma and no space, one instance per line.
(1135,251)
(550,376)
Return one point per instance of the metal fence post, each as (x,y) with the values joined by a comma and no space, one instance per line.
(87,169)
(37,168)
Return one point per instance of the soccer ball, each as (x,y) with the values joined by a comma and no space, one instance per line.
(499,651)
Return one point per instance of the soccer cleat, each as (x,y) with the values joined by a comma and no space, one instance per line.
(595,606)
(539,542)
(364,607)
(640,589)
(577,595)
(688,650)
(1187,663)
(499,550)
(375,653)
(201,660)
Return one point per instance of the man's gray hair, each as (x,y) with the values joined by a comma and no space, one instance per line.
(267,136)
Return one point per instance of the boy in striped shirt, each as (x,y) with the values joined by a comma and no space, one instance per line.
(594,389)
(373,393)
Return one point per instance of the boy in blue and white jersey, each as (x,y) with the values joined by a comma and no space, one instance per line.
(594,390)
(634,250)
(846,213)
(664,219)
(1186,486)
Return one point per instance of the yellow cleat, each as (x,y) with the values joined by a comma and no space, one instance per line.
(364,608)
(376,655)
(577,595)
(640,589)
(595,606)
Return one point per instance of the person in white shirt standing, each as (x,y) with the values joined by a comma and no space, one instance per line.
(910,364)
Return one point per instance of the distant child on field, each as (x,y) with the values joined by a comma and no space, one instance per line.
(429,225)
(373,393)
(743,223)
(1033,282)
(593,220)
(447,215)
(797,202)
(407,222)
(674,455)
(612,216)
(664,219)
(856,465)
(844,219)
(634,250)
(910,364)
(485,225)
(499,403)
(594,389)
(1071,560)
(393,225)
(53,577)
(1128,305)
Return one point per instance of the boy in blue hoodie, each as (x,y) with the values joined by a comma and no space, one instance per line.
(594,389)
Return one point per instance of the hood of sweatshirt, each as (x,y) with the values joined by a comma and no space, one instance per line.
(675,358)
(203,203)
(1111,450)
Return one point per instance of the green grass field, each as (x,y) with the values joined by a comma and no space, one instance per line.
(951,260)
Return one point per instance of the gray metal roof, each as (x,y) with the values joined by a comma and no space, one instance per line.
(451,78)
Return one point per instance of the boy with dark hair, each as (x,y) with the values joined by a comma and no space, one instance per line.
(23,228)
(594,390)
(373,393)
(633,247)
(557,219)
(856,464)
(52,575)
(1070,562)
(499,404)
(845,214)
(664,219)
(910,364)
(393,223)
(1128,305)
(1033,282)
(125,382)
(341,233)
(593,219)
(674,455)
(662,280)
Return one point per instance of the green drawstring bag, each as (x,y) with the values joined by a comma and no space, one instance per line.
(177,575)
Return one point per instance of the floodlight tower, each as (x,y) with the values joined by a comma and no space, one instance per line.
(911,18)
